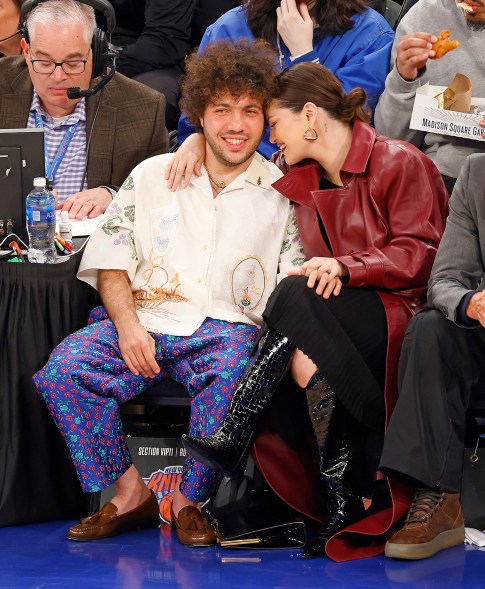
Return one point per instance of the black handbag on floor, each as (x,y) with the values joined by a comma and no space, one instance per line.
(248,514)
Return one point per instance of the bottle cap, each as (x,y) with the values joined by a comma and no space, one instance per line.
(39,182)
(64,216)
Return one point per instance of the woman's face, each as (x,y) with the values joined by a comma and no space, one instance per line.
(287,129)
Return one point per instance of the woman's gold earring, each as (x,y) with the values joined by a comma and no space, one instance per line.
(310,134)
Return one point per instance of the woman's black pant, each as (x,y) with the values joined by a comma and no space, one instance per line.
(346,337)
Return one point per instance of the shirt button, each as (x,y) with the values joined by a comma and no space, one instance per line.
(204,248)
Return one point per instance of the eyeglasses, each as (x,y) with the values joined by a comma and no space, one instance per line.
(70,67)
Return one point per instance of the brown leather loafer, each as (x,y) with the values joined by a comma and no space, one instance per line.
(106,522)
(193,527)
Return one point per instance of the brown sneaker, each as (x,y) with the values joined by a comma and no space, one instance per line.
(434,522)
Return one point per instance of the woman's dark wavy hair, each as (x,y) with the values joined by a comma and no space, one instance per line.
(311,82)
(332,16)
(226,67)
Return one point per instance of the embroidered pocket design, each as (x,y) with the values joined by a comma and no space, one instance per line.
(248,282)
(163,229)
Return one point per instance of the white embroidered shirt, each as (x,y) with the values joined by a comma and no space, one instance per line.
(189,255)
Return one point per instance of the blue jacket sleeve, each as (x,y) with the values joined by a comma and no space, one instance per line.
(368,69)
(184,129)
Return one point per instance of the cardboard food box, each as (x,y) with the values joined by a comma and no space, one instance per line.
(160,462)
(426,115)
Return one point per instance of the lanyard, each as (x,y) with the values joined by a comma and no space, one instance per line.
(51,168)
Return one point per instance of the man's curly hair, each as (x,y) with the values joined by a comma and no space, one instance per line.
(224,67)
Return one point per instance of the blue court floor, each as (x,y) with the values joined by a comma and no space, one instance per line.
(38,556)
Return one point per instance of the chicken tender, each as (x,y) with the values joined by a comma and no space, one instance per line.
(444,44)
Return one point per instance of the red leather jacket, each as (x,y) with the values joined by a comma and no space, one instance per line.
(384,224)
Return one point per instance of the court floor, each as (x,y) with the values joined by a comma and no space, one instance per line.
(38,556)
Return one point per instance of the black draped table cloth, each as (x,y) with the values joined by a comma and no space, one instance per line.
(40,304)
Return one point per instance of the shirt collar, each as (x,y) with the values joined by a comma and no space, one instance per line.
(257,173)
(78,114)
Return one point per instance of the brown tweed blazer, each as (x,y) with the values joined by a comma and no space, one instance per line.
(129,128)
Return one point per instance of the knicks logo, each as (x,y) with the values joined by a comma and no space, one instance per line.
(163,483)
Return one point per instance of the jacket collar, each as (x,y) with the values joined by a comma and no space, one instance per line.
(363,139)
(301,180)
(21,83)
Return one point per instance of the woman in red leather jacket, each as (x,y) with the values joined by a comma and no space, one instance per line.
(370,212)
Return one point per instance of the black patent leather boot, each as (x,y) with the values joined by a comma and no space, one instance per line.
(227,448)
(343,506)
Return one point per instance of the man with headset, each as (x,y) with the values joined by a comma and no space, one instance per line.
(91,143)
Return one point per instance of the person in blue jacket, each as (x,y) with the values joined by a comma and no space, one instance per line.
(346,36)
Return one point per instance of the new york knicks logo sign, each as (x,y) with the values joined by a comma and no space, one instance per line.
(163,483)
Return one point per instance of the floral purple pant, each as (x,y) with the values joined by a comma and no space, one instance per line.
(86,379)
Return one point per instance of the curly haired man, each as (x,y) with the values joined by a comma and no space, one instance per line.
(184,277)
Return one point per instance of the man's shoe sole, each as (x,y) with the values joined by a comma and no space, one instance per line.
(106,522)
(115,532)
(444,540)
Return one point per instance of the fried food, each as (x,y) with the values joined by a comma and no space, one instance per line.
(444,44)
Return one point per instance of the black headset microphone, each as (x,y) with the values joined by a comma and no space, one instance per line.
(75,92)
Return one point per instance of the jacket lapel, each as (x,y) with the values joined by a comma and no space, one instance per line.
(15,107)
(100,156)
(299,182)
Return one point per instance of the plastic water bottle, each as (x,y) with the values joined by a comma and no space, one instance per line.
(41,223)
